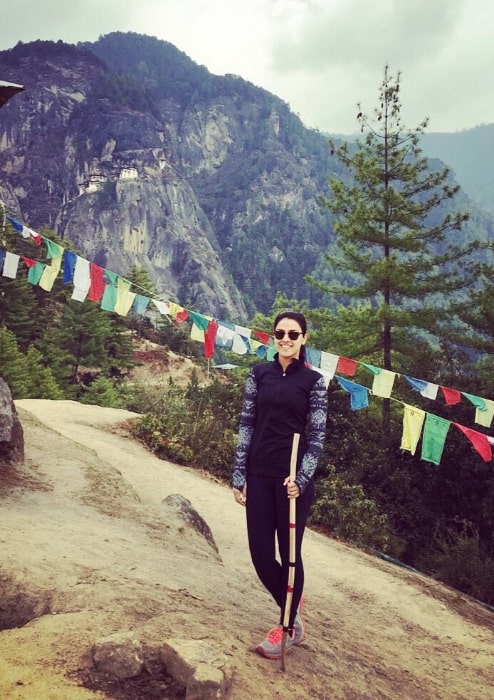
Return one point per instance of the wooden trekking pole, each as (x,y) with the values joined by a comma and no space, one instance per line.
(292,517)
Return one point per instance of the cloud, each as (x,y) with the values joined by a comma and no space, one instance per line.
(320,56)
(444,49)
(367,34)
(58,19)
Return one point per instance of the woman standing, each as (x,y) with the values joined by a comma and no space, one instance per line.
(281,398)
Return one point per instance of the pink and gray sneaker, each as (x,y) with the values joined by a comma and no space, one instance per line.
(298,625)
(271,646)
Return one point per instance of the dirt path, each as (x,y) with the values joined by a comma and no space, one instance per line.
(83,529)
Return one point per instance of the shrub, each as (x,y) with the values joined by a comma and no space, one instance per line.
(196,426)
(165,428)
(101,392)
(142,397)
(455,559)
(344,511)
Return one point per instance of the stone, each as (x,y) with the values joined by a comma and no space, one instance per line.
(119,655)
(11,432)
(21,601)
(207,683)
(199,663)
(175,505)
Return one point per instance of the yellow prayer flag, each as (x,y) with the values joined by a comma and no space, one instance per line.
(413,420)
(382,384)
(50,273)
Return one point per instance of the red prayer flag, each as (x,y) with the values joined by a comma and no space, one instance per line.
(478,440)
(347,366)
(209,338)
(181,316)
(451,396)
(29,262)
(97,286)
(263,337)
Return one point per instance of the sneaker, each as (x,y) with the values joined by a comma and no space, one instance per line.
(271,646)
(298,625)
(298,629)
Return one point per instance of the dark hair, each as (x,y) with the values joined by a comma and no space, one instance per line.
(295,316)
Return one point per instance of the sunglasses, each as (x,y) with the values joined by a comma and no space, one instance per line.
(293,335)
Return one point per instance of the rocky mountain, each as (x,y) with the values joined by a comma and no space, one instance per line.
(469,154)
(137,155)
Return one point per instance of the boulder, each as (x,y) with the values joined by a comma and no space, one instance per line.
(178,508)
(198,666)
(11,433)
(119,655)
(207,683)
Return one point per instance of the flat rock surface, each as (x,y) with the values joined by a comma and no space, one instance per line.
(81,528)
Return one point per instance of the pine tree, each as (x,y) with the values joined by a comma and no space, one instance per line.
(13,365)
(76,337)
(142,284)
(101,392)
(42,384)
(19,310)
(400,262)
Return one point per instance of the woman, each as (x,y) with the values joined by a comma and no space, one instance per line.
(281,398)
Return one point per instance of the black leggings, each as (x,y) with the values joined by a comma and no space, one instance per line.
(267,520)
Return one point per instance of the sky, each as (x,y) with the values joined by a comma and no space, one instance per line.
(322,57)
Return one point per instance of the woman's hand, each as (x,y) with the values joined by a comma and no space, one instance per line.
(240,496)
(292,488)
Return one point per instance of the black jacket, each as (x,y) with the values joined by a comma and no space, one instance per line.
(276,405)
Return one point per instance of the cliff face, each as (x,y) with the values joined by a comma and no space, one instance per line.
(102,176)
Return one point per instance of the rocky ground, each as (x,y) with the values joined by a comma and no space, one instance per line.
(86,551)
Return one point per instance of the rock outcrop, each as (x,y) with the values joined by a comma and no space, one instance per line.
(138,156)
(11,433)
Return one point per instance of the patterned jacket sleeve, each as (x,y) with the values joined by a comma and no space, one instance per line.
(318,401)
(246,430)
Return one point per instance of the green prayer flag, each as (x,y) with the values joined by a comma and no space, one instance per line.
(199,320)
(109,298)
(53,249)
(371,368)
(34,273)
(477,401)
(434,437)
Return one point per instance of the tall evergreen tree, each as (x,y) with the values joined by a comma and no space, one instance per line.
(400,260)
(13,365)
(42,384)
(19,310)
(76,337)
(142,284)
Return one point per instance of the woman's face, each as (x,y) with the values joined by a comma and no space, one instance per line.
(288,348)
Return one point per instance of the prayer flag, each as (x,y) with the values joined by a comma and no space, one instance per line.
(163,307)
(413,420)
(69,260)
(97,286)
(10,265)
(82,279)
(209,338)
(478,440)
(347,366)
(477,401)
(434,437)
(359,395)
(485,417)
(451,396)
(313,356)
(382,384)
(328,363)
(140,304)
